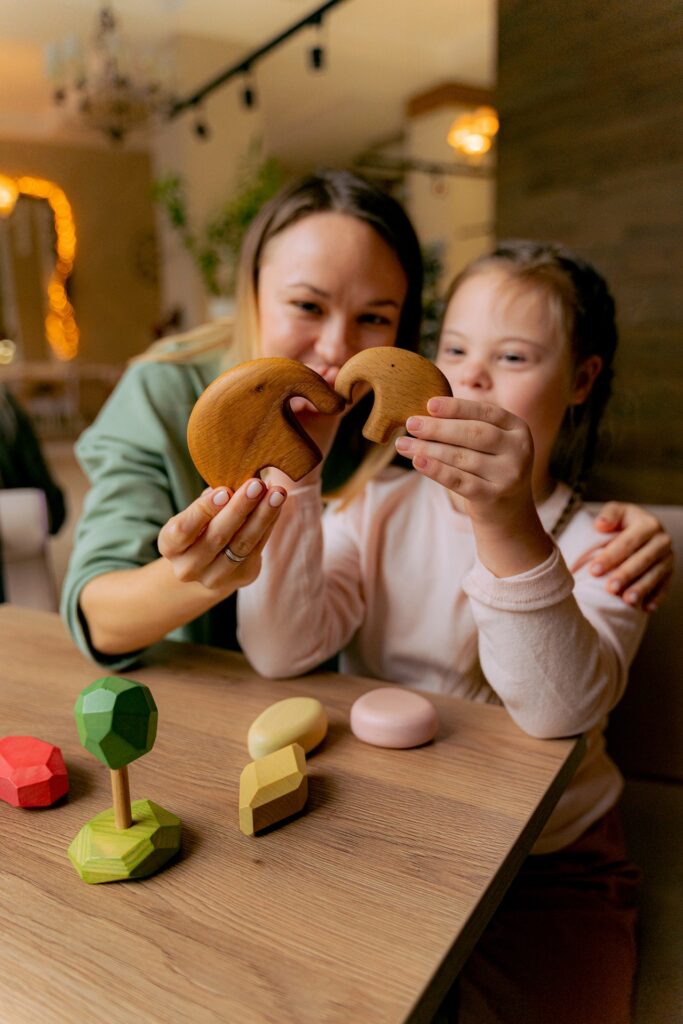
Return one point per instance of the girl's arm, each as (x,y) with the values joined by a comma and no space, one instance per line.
(307,601)
(639,560)
(556,649)
(130,609)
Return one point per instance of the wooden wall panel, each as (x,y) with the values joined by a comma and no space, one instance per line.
(591,153)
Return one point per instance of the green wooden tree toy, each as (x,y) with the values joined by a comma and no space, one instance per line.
(117,722)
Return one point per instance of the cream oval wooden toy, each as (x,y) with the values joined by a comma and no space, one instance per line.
(242,422)
(299,720)
(403,383)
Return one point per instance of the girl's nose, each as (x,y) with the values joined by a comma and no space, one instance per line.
(472,374)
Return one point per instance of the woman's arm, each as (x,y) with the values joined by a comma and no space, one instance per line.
(639,561)
(130,609)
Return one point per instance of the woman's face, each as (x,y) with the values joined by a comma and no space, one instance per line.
(329,286)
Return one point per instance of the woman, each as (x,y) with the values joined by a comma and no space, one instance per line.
(330,266)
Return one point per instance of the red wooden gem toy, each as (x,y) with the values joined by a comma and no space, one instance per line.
(32,772)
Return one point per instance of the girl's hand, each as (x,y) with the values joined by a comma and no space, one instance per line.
(484,455)
(480,452)
(194,541)
(639,560)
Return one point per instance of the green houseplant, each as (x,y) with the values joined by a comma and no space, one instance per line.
(216,247)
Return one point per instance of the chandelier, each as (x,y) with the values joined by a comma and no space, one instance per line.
(111,86)
(472,134)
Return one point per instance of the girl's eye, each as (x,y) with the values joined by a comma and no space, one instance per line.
(513,358)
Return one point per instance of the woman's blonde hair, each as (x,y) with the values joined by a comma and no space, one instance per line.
(337,191)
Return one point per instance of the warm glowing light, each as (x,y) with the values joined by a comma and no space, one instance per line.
(472,133)
(60,323)
(9,193)
(7,350)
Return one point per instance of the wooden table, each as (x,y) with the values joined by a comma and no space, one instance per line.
(361,909)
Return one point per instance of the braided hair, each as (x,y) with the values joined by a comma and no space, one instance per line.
(580,299)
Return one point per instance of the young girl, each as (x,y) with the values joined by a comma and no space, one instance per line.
(329,266)
(455,579)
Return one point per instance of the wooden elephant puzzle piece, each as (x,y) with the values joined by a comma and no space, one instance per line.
(403,383)
(242,422)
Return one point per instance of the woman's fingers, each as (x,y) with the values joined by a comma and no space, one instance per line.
(638,577)
(629,554)
(183,529)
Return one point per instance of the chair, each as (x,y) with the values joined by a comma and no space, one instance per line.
(25,564)
(645,738)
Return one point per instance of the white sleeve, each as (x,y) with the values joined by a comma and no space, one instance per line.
(306,603)
(555,649)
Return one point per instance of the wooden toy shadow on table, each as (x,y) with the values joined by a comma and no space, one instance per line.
(117,722)
(403,383)
(242,422)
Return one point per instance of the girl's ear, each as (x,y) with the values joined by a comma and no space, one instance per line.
(584,379)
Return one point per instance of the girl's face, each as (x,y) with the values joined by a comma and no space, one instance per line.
(499,344)
(329,286)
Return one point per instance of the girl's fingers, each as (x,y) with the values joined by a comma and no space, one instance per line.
(463,409)
(474,434)
(451,456)
(651,586)
(183,529)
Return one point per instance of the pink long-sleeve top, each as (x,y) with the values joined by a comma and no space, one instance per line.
(394,583)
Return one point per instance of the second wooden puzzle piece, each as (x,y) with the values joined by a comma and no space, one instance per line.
(403,383)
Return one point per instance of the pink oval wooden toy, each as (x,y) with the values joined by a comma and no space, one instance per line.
(393,717)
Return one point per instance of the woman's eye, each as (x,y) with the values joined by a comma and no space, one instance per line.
(453,351)
(307,307)
(374,319)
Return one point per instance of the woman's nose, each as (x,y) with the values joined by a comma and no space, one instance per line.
(335,342)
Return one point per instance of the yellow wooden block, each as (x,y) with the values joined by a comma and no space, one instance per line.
(299,720)
(272,788)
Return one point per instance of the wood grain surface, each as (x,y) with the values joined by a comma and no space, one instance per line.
(402,382)
(360,909)
(242,422)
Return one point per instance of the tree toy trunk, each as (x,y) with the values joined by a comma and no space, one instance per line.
(121,795)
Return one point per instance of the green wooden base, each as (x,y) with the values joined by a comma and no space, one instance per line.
(103,853)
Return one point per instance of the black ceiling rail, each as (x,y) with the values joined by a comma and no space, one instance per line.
(244,65)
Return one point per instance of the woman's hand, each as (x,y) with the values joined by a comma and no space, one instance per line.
(484,455)
(195,541)
(639,561)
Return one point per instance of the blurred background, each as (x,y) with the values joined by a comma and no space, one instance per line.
(137,140)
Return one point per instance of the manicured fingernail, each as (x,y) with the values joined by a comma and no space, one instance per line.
(220,497)
(414,423)
(404,444)
(631,597)
(614,586)
(276,499)
(254,488)
(435,406)
(597,569)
